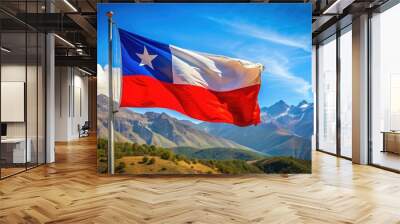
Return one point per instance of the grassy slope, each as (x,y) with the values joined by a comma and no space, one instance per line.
(134,166)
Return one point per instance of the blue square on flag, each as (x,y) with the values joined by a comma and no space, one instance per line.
(142,56)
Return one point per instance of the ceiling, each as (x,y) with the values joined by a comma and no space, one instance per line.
(74,21)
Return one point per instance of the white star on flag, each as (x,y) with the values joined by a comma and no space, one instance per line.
(146,58)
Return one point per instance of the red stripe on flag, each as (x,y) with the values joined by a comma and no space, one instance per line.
(239,107)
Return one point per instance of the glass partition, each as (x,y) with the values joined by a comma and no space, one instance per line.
(14,153)
(22,78)
(31,98)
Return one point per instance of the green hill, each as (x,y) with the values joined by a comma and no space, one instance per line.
(140,159)
(218,153)
(283,165)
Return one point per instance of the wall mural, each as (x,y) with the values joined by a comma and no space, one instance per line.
(207,88)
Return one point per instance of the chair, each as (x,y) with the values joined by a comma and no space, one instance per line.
(84,130)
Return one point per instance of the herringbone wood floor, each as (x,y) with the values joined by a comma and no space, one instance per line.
(70,191)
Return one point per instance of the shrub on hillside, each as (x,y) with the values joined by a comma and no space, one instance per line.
(145,159)
(284,165)
(166,155)
(120,168)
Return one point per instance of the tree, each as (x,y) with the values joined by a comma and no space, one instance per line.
(166,155)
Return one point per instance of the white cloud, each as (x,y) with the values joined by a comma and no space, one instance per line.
(262,33)
(278,68)
(102,81)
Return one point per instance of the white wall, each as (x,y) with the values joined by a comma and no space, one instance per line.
(62,82)
(9,73)
(16,72)
(71,102)
(81,94)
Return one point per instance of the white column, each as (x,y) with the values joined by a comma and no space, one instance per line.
(50,99)
(360,90)
(50,92)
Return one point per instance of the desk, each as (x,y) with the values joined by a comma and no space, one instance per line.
(13,150)
(391,141)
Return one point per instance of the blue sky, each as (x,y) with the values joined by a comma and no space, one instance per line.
(276,35)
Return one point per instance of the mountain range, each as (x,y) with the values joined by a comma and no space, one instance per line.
(285,130)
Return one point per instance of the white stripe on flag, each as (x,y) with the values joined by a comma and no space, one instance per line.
(213,72)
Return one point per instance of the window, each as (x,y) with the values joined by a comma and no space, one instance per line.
(385,89)
(327,95)
(346,93)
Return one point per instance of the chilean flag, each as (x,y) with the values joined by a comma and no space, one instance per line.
(202,86)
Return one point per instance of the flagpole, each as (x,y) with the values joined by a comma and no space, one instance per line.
(110,98)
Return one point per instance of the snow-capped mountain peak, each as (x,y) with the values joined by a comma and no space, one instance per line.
(289,116)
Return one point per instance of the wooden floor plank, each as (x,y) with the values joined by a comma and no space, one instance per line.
(70,191)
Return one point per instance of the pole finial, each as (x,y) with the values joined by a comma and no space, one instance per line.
(110,13)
